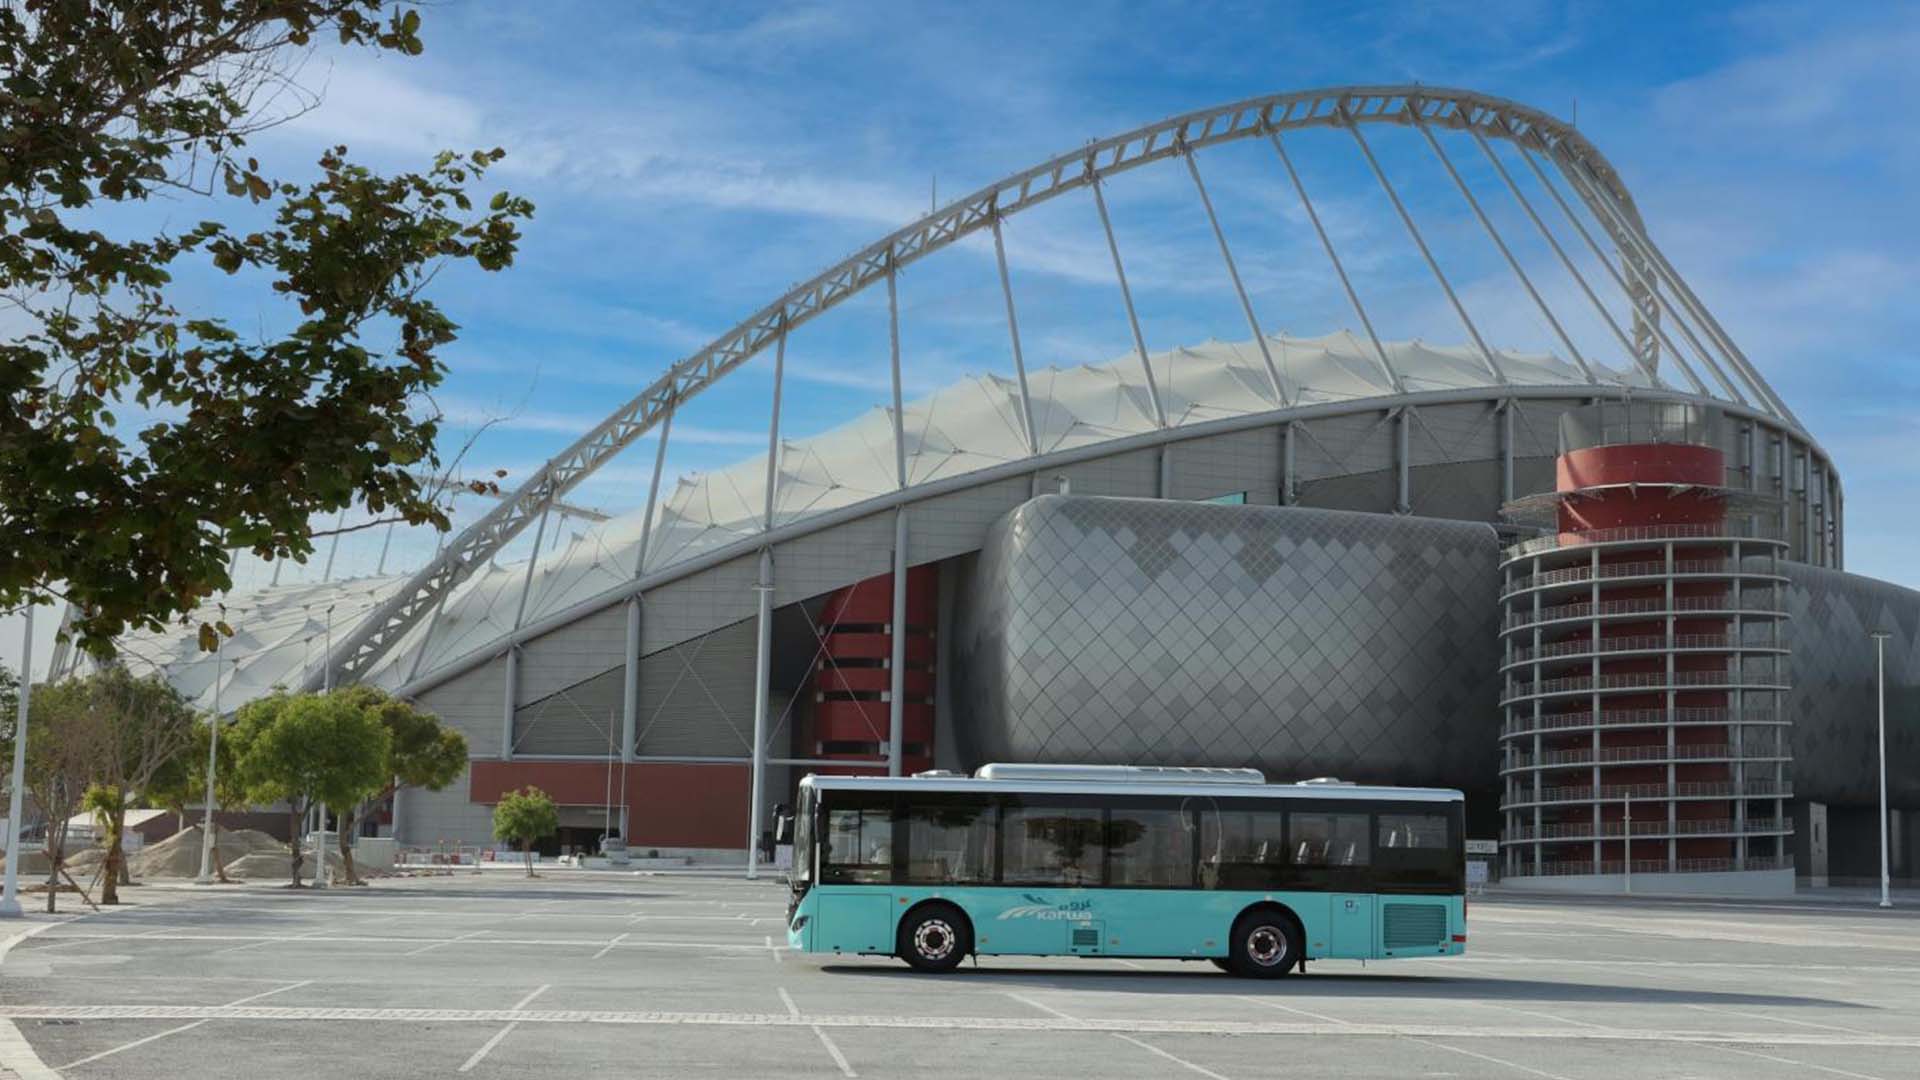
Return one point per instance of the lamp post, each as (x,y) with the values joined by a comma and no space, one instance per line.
(1880,664)
(213,755)
(10,891)
(1626,837)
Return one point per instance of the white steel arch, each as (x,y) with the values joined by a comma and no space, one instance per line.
(1534,134)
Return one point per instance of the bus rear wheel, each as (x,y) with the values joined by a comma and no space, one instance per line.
(934,937)
(1265,945)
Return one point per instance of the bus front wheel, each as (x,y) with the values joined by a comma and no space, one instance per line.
(935,937)
(1265,944)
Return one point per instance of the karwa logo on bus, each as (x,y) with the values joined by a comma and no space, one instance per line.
(1038,908)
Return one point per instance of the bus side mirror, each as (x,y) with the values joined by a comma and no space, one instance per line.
(783,829)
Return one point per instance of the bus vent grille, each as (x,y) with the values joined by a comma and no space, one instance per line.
(1409,925)
(1086,937)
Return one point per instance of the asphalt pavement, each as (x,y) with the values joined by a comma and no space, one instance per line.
(679,975)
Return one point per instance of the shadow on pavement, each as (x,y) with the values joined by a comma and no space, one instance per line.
(1351,986)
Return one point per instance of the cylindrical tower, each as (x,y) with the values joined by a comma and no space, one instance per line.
(1644,663)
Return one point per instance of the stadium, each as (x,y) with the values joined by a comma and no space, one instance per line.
(1595,578)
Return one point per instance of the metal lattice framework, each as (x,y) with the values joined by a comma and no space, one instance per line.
(1644,276)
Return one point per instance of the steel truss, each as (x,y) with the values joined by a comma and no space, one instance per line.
(1583,167)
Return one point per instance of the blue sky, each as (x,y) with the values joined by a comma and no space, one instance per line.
(689,162)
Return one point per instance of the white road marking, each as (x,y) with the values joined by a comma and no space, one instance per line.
(440,944)
(255,944)
(1489,1057)
(15,1051)
(792,1009)
(1796,1064)
(269,993)
(487,1047)
(249,999)
(608,947)
(1544,1016)
(1183,1062)
(528,1000)
(1032,1004)
(1775,1019)
(839,1058)
(91,1058)
(1271,1004)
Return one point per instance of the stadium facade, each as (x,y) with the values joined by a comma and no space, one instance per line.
(1594,580)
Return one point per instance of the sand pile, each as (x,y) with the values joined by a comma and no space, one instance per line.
(276,865)
(179,855)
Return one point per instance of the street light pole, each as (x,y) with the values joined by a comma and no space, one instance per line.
(10,891)
(1880,664)
(1626,836)
(213,755)
(320,825)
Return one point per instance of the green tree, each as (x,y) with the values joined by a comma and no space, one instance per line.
(181,785)
(138,725)
(421,752)
(525,816)
(224,440)
(62,741)
(307,749)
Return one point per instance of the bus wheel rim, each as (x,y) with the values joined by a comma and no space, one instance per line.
(1267,946)
(933,939)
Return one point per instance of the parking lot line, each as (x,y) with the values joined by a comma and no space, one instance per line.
(528,1000)
(608,947)
(1289,1008)
(1032,1004)
(1489,1057)
(1180,1061)
(1796,1064)
(1773,1019)
(157,1036)
(839,1058)
(487,1047)
(438,944)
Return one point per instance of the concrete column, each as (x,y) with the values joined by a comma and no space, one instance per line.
(762,670)
(897,645)
(511,700)
(630,688)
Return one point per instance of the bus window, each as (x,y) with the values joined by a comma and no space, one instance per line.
(1052,845)
(859,847)
(1242,849)
(1149,848)
(1330,840)
(950,843)
(1424,831)
(1416,853)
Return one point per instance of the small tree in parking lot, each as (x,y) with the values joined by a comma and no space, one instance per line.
(307,749)
(525,816)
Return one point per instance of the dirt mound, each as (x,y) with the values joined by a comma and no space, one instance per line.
(179,855)
(277,866)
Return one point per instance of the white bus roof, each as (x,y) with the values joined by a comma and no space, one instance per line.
(1135,784)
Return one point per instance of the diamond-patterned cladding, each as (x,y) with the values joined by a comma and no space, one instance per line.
(1303,642)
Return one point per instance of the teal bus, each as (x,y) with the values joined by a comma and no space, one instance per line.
(1125,861)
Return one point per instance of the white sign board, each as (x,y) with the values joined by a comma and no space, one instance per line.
(1483,847)
(1477,872)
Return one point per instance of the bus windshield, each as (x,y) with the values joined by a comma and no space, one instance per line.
(802,873)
